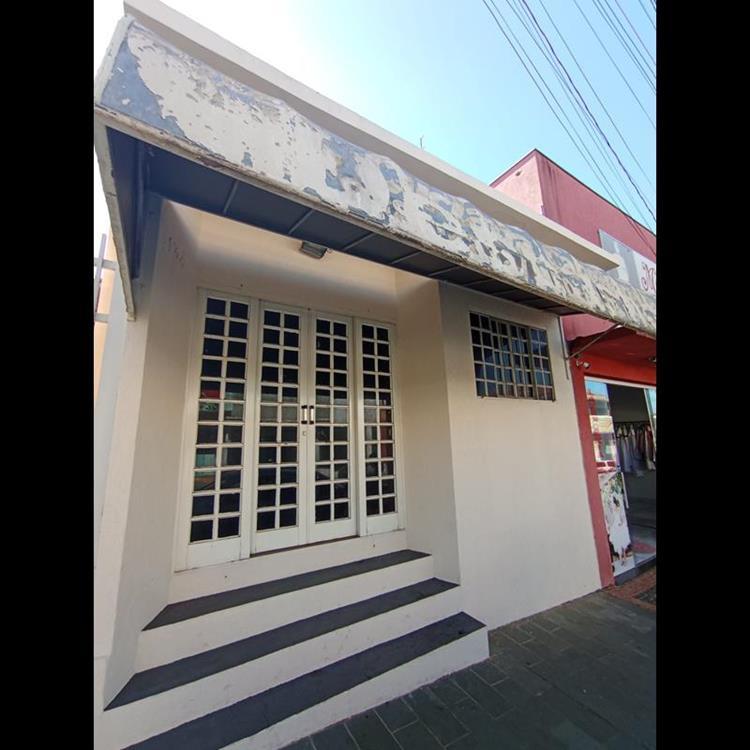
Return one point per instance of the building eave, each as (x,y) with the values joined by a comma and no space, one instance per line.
(160,94)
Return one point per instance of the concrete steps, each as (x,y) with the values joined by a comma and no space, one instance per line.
(370,628)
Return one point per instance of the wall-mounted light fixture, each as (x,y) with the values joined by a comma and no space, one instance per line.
(313,250)
(581,363)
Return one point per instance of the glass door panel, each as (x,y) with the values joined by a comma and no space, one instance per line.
(330,415)
(611,481)
(280,446)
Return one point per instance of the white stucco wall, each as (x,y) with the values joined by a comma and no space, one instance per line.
(134,562)
(524,528)
(256,263)
(423,395)
(494,488)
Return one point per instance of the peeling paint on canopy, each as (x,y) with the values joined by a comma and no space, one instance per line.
(177,97)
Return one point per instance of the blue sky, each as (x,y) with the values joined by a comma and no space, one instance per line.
(441,70)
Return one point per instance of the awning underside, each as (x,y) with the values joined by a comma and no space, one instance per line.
(195,185)
(197,137)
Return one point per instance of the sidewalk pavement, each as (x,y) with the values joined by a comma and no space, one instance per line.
(581,675)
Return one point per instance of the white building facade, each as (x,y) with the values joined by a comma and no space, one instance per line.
(336,441)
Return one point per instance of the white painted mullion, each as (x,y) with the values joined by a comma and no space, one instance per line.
(397,431)
(306,450)
(249,441)
(189,422)
(359,438)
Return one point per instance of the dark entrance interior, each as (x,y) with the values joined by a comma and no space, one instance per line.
(636,454)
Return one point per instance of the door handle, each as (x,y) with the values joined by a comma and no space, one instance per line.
(304,414)
(312,414)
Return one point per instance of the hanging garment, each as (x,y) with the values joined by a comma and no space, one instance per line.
(650,448)
(624,450)
(638,463)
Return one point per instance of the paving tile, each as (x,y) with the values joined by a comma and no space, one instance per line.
(448,692)
(517,632)
(514,651)
(528,679)
(417,737)
(303,744)
(526,724)
(396,714)
(489,672)
(545,622)
(589,721)
(436,716)
(623,742)
(573,637)
(488,698)
(544,636)
(579,676)
(513,692)
(572,736)
(334,738)
(486,733)
(370,732)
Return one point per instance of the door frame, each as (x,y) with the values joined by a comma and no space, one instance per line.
(211,553)
(187,556)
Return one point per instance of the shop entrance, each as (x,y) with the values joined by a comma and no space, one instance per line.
(623,425)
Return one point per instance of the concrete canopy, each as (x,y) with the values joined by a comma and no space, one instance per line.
(155,92)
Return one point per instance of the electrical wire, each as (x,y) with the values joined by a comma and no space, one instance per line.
(600,176)
(624,44)
(606,51)
(648,15)
(591,115)
(596,95)
(569,92)
(628,37)
(635,31)
(636,226)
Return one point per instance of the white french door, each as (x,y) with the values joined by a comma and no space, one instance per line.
(304,490)
(295,430)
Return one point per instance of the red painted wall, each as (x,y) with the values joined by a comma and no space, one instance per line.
(547,188)
(629,372)
(569,202)
(598,524)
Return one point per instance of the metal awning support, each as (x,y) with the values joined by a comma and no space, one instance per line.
(596,338)
(154,92)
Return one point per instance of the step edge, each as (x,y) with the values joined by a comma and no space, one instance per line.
(471,626)
(154,625)
(445,587)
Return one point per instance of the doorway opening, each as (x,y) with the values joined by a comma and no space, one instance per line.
(623,425)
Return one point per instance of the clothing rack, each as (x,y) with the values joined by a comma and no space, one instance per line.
(635,445)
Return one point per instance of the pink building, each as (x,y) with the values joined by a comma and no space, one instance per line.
(614,374)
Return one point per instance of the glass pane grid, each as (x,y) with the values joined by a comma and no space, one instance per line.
(380,489)
(510,360)
(278,443)
(332,416)
(217,475)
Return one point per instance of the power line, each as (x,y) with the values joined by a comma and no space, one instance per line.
(611,18)
(603,46)
(569,92)
(600,176)
(635,31)
(648,15)
(593,90)
(591,115)
(624,44)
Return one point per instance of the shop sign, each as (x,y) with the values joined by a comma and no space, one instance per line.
(636,269)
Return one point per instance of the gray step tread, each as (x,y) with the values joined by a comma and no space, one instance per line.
(183,671)
(251,715)
(203,605)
